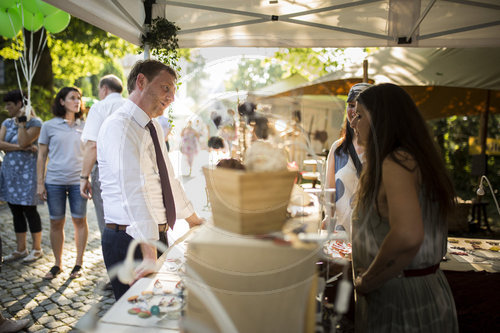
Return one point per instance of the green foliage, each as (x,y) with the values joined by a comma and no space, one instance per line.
(83,50)
(72,60)
(85,85)
(253,74)
(311,63)
(452,135)
(103,43)
(109,67)
(41,100)
(11,48)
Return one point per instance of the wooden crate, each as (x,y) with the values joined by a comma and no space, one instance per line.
(249,202)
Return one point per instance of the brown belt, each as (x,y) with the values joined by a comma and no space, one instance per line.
(116,227)
(421,272)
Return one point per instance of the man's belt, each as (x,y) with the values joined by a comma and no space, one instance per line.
(116,227)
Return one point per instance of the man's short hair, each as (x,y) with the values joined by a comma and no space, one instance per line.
(150,68)
(112,82)
(14,96)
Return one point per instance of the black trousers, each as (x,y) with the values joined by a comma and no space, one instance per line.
(22,214)
(115,245)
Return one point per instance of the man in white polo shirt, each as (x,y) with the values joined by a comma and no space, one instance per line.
(110,89)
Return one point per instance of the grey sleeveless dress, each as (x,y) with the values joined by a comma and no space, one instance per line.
(404,304)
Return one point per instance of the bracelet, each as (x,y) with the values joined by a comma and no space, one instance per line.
(84,177)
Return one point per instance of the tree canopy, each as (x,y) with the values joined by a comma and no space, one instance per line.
(78,52)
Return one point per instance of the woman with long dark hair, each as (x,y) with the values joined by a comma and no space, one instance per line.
(399,223)
(60,142)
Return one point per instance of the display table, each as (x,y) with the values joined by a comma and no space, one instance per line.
(472,278)
(243,272)
(117,319)
(474,281)
(461,255)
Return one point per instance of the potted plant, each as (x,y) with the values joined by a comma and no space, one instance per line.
(162,40)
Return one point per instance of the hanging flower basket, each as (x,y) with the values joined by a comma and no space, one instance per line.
(162,40)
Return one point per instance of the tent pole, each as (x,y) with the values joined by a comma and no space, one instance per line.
(365,71)
(148,17)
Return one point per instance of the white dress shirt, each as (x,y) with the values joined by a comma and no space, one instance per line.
(130,182)
(98,113)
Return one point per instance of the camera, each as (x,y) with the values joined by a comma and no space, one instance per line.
(22,119)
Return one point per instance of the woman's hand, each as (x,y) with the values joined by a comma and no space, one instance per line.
(360,283)
(31,148)
(42,192)
(361,286)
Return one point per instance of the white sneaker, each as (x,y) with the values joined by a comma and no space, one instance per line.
(34,255)
(16,255)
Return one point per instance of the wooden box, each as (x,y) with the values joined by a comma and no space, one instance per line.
(249,202)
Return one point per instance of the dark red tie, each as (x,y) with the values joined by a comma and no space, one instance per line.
(166,190)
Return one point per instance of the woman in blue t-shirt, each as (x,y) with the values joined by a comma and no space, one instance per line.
(18,137)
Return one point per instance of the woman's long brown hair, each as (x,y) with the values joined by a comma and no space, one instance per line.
(397,125)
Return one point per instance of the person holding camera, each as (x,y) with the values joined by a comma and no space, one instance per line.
(18,139)
(60,142)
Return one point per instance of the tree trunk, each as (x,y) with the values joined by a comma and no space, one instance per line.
(43,77)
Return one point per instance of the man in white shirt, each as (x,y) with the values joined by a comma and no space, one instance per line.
(110,89)
(131,176)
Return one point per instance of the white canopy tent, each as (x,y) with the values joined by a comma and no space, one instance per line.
(449,67)
(443,82)
(301,23)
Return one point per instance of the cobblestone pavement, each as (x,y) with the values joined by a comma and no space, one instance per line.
(56,305)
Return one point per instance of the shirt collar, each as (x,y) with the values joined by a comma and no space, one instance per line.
(63,121)
(113,95)
(138,114)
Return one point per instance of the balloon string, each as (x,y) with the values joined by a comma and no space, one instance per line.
(28,62)
(16,41)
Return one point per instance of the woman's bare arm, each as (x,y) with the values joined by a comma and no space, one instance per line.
(7,146)
(400,191)
(26,136)
(40,170)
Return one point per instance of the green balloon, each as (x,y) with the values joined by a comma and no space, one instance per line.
(56,22)
(32,22)
(10,29)
(30,5)
(45,8)
(15,16)
(7,3)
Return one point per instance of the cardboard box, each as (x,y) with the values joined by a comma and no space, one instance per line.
(249,202)
(263,287)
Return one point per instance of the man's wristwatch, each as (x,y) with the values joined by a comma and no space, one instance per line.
(84,177)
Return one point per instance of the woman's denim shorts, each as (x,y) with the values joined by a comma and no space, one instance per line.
(56,200)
